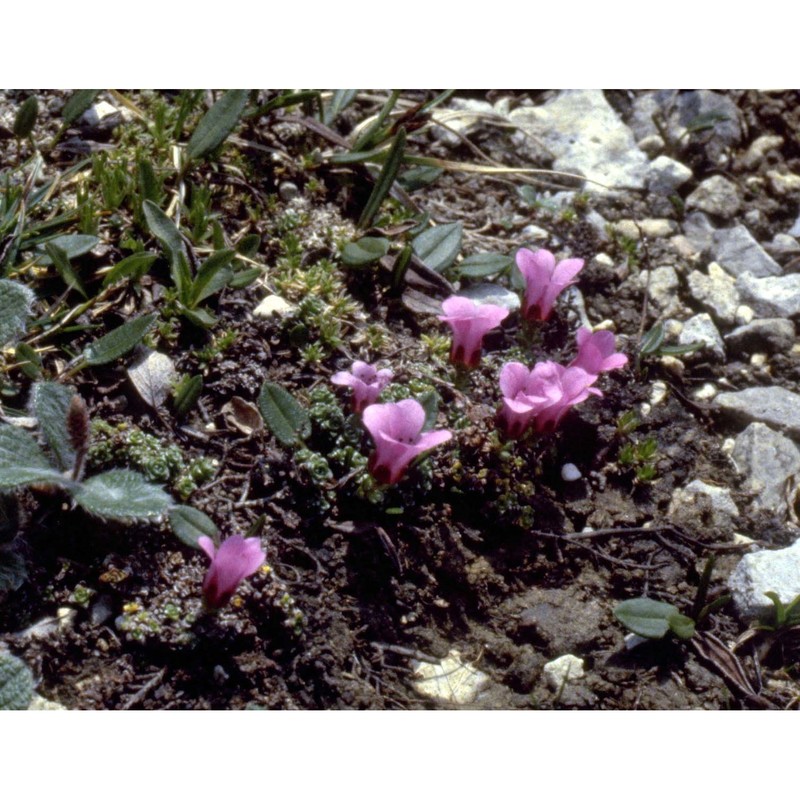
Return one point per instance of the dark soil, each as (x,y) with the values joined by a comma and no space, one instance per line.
(493,554)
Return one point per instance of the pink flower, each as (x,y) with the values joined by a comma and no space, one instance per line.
(365,381)
(564,387)
(520,404)
(470,321)
(396,429)
(596,352)
(236,559)
(544,280)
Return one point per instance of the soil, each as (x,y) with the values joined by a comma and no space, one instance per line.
(483,548)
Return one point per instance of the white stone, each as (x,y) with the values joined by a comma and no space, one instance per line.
(273,304)
(449,680)
(569,473)
(723,508)
(744,315)
(705,392)
(663,287)
(716,195)
(783,183)
(701,328)
(716,292)
(766,571)
(587,136)
(665,174)
(97,113)
(658,393)
(535,233)
(771,297)
(493,294)
(651,228)
(562,669)
(759,148)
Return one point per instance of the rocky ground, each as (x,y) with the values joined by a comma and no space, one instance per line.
(488,577)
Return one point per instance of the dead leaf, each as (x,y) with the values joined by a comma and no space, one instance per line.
(242,415)
(153,377)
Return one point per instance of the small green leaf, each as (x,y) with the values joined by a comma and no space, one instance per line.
(121,494)
(165,230)
(29,361)
(74,245)
(338,103)
(705,121)
(212,276)
(681,625)
(248,245)
(365,251)
(134,266)
(189,524)
(652,340)
(61,263)
(417,177)
(283,415)
(119,341)
(245,277)
(186,394)
(15,306)
(438,247)
(149,185)
(646,617)
(430,402)
(77,104)
(50,403)
(26,117)
(385,180)
(680,349)
(217,123)
(16,683)
(483,264)
(200,317)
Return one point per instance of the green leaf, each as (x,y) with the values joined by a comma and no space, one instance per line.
(29,361)
(365,251)
(19,449)
(217,123)
(681,625)
(186,394)
(73,245)
(165,230)
(189,524)
(61,263)
(50,403)
(417,177)
(15,306)
(16,683)
(134,266)
(121,494)
(438,247)
(646,617)
(248,245)
(483,264)
(212,276)
(338,103)
(652,340)
(430,402)
(283,415)
(26,117)
(149,185)
(385,180)
(77,104)
(200,317)
(245,277)
(13,569)
(119,341)
(680,349)
(703,122)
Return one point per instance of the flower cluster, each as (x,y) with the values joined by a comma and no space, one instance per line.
(543,395)
(366,382)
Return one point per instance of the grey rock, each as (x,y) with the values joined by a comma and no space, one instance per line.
(585,134)
(766,571)
(771,297)
(641,116)
(783,245)
(663,289)
(716,292)
(723,509)
(727,131)
(767,459)
(701,328)
(493,294)
(783,183)
(773,335)
(651,228)
(795,229)
(288,191)
(699,231)
(773,405)
(599,223)
(665,175)
(758,150)
(652,145)
(736,251)
(461,115)
(716,195)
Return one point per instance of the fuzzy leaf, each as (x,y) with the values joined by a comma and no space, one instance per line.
(189,524)
(64,268)
(283,415)
(212,275)
(248,245)
(121,494)
(217,123)
(15,306)
(50,403)
(439,246)
(364,251)
(26,117)
(16,683)
(646,617)
(134,266)
(119,341)
(78,103)
(19,449)
(152,377)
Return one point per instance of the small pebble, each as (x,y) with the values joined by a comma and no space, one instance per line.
(562,669)
(569,472)
(744,315)
(706,392)
(288,191)
(658,391)
(758,360)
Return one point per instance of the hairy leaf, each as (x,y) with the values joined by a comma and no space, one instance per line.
(15,306)
(189,524)
(283,415)
(212,275)
(26,117)
(79,102)
(50,403)
(16,683)
(19,449)
(61,263)
(134,266)
(121,494)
